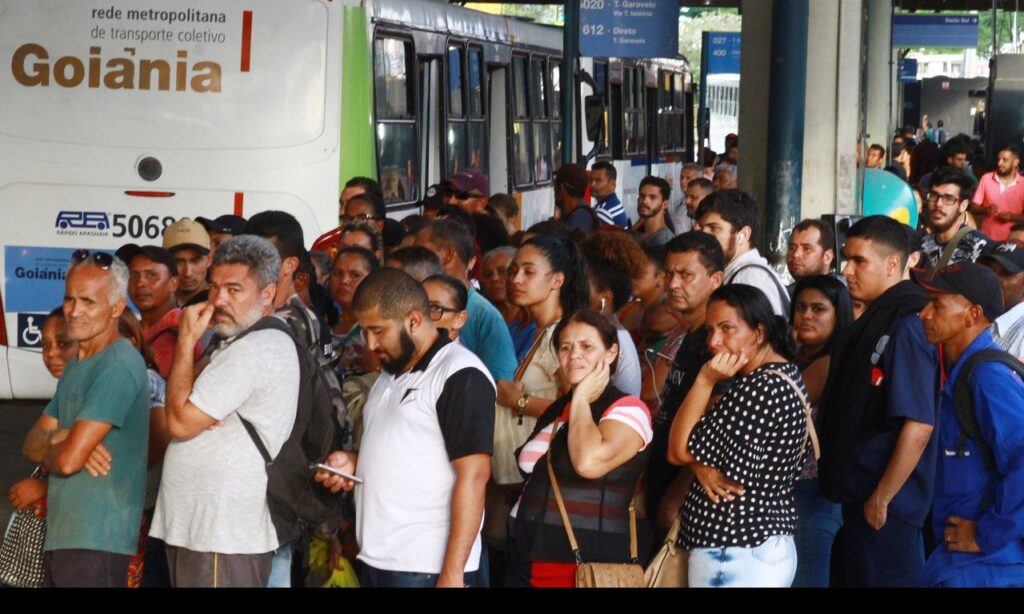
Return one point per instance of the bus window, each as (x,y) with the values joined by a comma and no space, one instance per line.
(455,141)
(602,89)
(542,139)
(396,124)
(519,107)
(556,113)
(475,66)
(522,172)
(476,153)
(455,81)
(538,106)
(521,154)
(634,120)
(670,137)
(456,144)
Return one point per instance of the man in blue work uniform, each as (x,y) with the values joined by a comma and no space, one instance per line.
(978,515)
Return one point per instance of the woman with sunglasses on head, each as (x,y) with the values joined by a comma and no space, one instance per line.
(746,449)
(587,449)
(821,313)
(548,279)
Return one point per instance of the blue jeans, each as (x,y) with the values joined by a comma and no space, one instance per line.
(769,565)
(371,577)
(818,521)
(281,568)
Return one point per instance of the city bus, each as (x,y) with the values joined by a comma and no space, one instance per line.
(121,118)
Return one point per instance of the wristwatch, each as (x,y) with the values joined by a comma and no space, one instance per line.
(522,401)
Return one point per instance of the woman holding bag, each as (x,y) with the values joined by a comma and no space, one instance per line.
(746,450)
(547,279)
(584,460)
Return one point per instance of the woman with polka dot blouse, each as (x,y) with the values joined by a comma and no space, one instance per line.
(746,449)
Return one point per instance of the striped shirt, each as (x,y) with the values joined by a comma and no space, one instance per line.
(1008,331)
(628,410)
(611,211)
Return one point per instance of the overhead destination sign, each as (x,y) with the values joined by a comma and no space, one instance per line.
(935,31)
(723,49)
(629,28)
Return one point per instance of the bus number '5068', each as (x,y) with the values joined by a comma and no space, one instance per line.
(137,226)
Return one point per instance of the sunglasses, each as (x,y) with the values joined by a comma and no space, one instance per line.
(345,219)
(102,260)
(467,195)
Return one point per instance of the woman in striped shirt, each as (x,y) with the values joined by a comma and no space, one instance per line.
(597,459)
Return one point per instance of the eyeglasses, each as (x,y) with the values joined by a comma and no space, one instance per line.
(437,311)
(467,195)
(345,219)
(102,260)
(947,200)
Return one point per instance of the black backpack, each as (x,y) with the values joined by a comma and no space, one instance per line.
(964,401)
(298,504)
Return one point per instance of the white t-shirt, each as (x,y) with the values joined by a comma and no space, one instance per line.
(213,492)
(627,377)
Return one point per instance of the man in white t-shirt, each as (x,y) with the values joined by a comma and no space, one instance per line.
(425,457)
(212,509)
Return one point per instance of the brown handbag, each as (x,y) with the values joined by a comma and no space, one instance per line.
(601,575)
(669,568)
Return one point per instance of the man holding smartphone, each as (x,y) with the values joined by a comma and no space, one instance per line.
(428,432)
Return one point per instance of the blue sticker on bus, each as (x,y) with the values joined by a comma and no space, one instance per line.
(34,277)
(30,330)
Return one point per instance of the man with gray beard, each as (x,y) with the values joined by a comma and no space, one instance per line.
(212,510)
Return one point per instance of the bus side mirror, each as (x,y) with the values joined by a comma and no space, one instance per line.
(593,108)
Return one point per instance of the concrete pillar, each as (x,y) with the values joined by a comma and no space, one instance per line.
(833,108)
(882,111)
(755,82)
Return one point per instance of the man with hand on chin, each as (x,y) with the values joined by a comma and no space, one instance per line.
(425,457)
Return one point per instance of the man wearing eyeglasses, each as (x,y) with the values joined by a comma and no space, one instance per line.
(951,240)
(94,435)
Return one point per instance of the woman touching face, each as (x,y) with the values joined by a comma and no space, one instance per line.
(730,333)
(581,350)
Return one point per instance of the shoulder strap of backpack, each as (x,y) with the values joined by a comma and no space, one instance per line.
(783,295)
(964,401)
(947,252)
(266,323)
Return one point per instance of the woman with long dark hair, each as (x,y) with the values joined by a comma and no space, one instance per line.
(746,449)
(587,449)
(821,312)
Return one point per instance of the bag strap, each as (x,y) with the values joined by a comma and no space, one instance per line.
(529,356)
(565,516)
(783,294)
(249,428)
(947,252)
(811,433)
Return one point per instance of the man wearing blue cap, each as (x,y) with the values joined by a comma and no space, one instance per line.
(978,514)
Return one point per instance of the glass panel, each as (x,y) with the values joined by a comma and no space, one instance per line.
(455,81)
(476,84)
(537,93)
(456,147)
(396,144)
(521,171)
(601,78)
(556,89)
(641,133)
(641,98)
(519,108)
(477,152)
(556,145)
(677,91)
(627,89)
(393,89)
(542,139)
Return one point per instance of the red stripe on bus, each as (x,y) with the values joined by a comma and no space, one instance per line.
(149,194)
(246,39)
(239,198)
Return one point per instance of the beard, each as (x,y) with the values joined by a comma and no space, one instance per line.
(393,365)
(730,250)
(237,326)
(940,227)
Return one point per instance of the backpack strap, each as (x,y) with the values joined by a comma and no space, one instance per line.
(783,294)
(966,417)
(947,252)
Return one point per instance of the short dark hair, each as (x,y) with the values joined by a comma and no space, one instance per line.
(605,277)
(457,214)
(376,203)
(282,229)
(608,168)
(366,255)
(457,288)
(450,233)
(490,231)
(565,258)
(658,182)
(736,207)
(1013,149)
(884,231)
(703,183)
(878,148)
(708,249)
(837,294)
(371,186)
(414,223)
(951,175)
(551,228)
(605,330)
(1019,226)
(954,147)
(755,309)
(504,204)
(417,261)
(826,236)
(393,291)
(366,227)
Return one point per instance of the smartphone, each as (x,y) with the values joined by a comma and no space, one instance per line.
(329,469)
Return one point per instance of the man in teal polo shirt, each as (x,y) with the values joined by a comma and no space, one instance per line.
(93,436)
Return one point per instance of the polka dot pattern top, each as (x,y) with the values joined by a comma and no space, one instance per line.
(755,436)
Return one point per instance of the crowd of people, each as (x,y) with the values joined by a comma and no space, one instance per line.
(504,404)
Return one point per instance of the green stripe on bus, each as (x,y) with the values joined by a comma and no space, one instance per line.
(358,157)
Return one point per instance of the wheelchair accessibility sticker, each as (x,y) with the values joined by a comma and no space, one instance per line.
(30,330)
